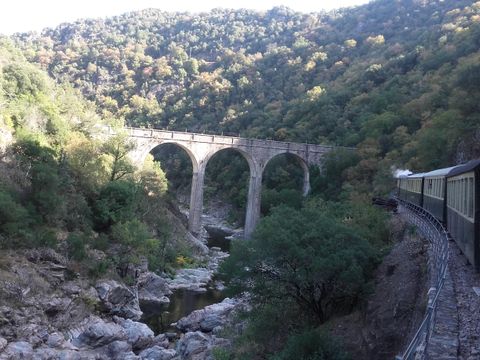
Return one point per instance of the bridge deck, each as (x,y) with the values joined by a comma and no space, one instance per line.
(227,140)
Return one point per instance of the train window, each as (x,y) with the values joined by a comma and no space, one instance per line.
(450,193)
(470,198)
(465,196)
(457,194)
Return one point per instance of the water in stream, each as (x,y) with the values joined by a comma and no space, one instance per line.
(183,302)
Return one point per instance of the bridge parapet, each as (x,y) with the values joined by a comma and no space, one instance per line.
(231,141)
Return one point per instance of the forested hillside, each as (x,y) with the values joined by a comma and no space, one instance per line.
(390,77)
(63,185)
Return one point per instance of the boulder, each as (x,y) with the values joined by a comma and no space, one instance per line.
(208,318)
(198,346)
(120,350)
(46,255)
(191,279)
(161,340)
(56,305)
(119,299)
(55,340)
(46,353)
(153,291)
(194,346)
(3,343)
(157,353)
(139,335)
(100,333)
(18,350)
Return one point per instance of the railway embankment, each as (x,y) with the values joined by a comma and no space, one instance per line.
(382,327)
(466,287)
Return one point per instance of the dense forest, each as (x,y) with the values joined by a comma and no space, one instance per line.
(384,77)
(64,185)
(399,81)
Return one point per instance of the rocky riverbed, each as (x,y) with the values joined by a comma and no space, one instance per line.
(46,313)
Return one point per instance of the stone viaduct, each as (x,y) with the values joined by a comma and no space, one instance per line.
(201,148)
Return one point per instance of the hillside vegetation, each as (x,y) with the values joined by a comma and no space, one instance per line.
(391,77)
(64,185)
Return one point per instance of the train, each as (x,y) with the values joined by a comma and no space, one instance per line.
(452,195)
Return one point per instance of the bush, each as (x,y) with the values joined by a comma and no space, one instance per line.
(100,242)
(272,198)
(132,234)
(76,246)
(45,237)
(115,203)
(312,345)
(98,269)
(14,218)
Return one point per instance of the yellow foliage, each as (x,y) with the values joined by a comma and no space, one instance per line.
(375,40)
(350,43)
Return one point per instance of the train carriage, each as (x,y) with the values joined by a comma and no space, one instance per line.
(411,188)
(462,209)
(434,193)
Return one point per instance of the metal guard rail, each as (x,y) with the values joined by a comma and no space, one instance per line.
(434,231)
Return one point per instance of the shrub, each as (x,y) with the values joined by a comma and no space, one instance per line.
(76,246)
(312,345)
(115,203)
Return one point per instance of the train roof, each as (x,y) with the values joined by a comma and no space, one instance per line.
(415,176)
(439,172)
(460,169)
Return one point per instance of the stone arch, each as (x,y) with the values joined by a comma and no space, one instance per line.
(303,164)
(252,213)
(252,164)
(196,190)
(189,152)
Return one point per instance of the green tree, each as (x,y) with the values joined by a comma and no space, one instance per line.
(116,149)
(304,256)
(116,202)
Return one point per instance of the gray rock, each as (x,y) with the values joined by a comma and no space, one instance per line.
(211,321)
(120,350)
(45,353)
(3,343)
(56,305)
(157,353)
(119,299)
(18,350)
(208,318)
(161,340)
(71,288)
(46,254)
(100,333)
(194,346)
(153,291)
(139,335)
(55,340)
(191,279)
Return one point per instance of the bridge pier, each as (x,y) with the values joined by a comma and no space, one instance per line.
(196,201)
(306,179)
(253,202)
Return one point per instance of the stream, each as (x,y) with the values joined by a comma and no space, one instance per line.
(184,301)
